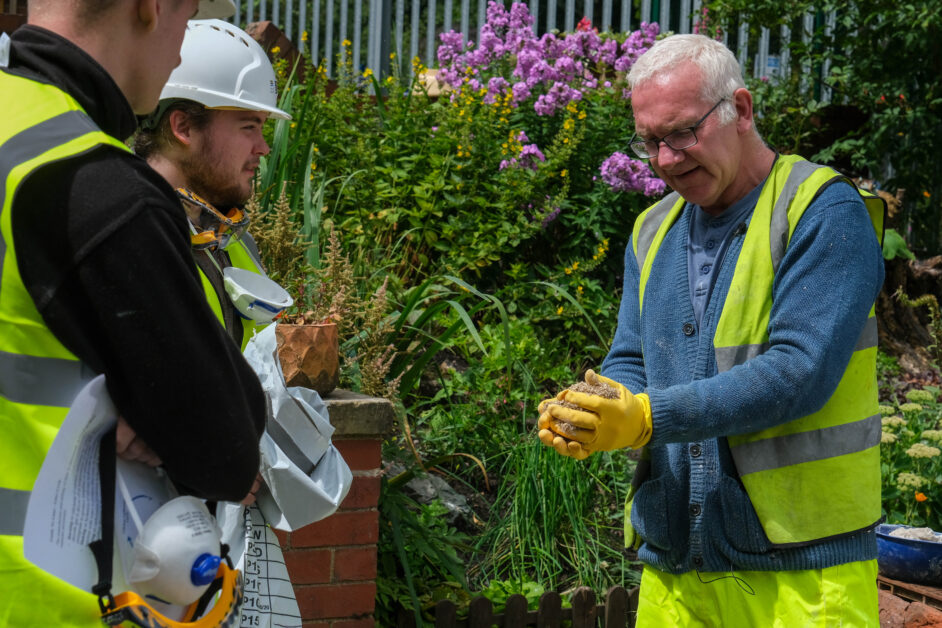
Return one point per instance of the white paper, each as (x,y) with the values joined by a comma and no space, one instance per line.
(64,511)
(269,596)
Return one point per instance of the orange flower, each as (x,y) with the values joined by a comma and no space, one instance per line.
(921,497)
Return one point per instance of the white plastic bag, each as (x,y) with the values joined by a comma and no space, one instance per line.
(305,476)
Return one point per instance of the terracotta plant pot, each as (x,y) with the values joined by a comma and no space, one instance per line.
(309,355)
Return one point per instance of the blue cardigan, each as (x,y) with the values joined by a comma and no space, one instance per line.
(693,512)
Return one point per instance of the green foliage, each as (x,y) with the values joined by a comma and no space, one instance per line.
(885,68)
(895,246)
(911,463)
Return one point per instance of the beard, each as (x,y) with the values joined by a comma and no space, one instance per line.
(206,177)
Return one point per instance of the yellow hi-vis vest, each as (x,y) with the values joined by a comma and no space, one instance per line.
(39,377)
(241,257)
(791,471)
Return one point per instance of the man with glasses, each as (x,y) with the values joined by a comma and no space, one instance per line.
(743,366)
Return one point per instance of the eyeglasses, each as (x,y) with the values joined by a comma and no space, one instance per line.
(677,140)
(213,228)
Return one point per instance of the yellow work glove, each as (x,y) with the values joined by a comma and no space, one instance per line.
(609,424)
(549,433)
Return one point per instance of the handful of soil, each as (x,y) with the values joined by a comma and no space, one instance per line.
(601,389)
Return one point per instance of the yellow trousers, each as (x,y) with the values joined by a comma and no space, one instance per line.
(841,596)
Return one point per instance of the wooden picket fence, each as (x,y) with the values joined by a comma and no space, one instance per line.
(616,611)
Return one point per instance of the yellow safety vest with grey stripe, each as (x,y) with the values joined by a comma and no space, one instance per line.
(791,471)
(39,377)
(241,256)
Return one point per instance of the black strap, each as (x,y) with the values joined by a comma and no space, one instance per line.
(103,548)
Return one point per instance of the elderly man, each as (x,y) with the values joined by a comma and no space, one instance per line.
(98,278)
(743,363)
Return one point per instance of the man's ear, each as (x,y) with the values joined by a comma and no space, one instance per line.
(180,127)
(148,12)
(742,100)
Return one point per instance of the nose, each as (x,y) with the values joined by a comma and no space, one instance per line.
(667,156)
(261,146)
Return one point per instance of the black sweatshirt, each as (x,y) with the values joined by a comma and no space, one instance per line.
(103,248)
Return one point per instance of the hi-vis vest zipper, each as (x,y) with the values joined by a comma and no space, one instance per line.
(241,256)
(791,471)
(39,377)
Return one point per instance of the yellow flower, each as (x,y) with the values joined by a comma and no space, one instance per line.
(568,271)
(565,140)
(346,43)
(276,50)
(367,73)
(304,36)
(579,289)
(564,173)
(568,124)
(392,56)
(575,265)
(559,310)
(582,115)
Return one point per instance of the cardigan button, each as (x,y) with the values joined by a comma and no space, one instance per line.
(689,329)
(695,450)
(694,509)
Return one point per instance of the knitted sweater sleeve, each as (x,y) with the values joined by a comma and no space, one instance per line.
(625,363)
(828,280)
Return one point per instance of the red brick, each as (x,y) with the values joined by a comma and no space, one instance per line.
(343,601)
(316,624)
(360,527)
(366,622)
(354,563)
(284,538)
(362,454)
(364,493)
(308,566)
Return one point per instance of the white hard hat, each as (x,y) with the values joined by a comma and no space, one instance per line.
(222,67)
(215,9)
(255,296)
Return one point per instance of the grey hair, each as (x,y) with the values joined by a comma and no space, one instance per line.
(720,69)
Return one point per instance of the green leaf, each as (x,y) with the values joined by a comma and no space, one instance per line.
(895,246)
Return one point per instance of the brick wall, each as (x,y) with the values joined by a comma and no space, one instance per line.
(332,562)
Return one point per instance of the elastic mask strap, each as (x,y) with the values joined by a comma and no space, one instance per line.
(103,548)
(4,50)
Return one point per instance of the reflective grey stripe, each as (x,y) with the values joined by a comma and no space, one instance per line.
(791,449)
(652,222)
(13,511)
(41,381)
(728,357)
(34,141)
(868,337)
(778,230)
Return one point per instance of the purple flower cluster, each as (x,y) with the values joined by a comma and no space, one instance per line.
(558,70)
(624,174)
(529,156)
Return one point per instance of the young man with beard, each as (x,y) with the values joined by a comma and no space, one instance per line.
(97,277)
(206,140)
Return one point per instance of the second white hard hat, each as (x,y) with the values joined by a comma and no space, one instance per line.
(222,67)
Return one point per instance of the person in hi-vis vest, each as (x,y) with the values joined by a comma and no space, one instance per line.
(98,278)
(743,366)
(206,139)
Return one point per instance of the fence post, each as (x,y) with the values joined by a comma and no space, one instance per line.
(480,613)
(445,614)
(616,608)
(515,611)
(583,608)
(549,614)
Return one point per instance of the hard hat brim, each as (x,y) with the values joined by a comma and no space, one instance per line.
(216,100)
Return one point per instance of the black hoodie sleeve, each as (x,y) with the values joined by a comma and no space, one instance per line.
(102,248)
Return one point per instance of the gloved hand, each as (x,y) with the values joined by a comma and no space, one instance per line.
(563,446)
(608,423)
(550,430)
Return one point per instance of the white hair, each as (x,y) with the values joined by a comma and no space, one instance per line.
(719,68)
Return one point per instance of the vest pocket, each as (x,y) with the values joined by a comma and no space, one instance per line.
(650,515)
(743,529)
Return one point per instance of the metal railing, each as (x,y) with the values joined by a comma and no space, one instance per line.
(330,29)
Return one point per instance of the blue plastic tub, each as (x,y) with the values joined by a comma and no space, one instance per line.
(909,560)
